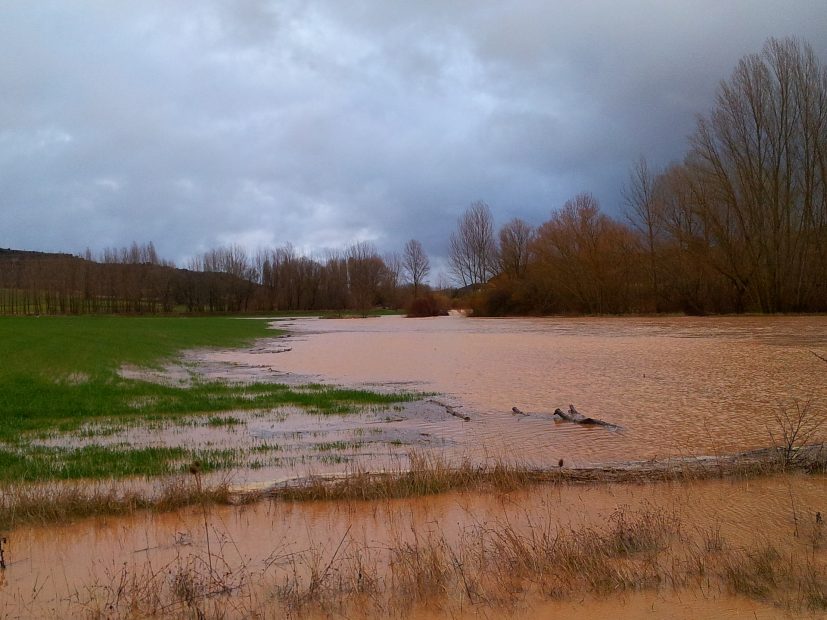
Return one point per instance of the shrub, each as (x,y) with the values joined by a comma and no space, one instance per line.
(430,304)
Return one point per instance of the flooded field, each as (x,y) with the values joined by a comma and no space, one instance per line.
(674,386)
(268,552)
(671,387)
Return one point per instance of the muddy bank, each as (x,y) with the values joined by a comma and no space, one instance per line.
(423,475)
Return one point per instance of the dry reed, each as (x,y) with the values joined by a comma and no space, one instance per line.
(488,569)
(425,475)
(45,503)
(429,474)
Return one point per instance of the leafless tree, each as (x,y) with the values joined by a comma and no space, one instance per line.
(644,212)
(473,250)
(365,271)
(759,163)
(415,264)
(515,241)
(586,257)
(392,279)
(335,294)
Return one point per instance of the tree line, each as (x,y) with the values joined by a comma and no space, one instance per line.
(227,279)
(739,225)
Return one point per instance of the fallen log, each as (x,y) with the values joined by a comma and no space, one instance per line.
(452,410)
(572,415)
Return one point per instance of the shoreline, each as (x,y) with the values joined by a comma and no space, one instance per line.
(51,503)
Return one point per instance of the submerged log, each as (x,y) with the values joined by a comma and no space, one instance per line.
(572,415)
(452,410)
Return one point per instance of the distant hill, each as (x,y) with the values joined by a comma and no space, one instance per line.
(9,254)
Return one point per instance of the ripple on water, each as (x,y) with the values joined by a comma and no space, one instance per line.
(677,386)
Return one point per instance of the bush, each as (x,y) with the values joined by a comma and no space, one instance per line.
(430,304)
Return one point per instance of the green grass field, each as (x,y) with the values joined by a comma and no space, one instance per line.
(58,373)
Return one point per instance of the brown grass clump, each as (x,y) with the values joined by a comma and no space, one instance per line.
(425,475)
(766,573)
(59,502)
(755,573)
(428,474)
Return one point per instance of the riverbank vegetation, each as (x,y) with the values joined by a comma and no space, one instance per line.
(429,475)
(417,475)
(512,564)
(739,225)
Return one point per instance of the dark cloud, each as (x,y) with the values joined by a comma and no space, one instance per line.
(322,123)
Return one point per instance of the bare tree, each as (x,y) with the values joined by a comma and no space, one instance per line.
(586,256)
(392,279)
(415,264)
(515,241)
(758,163)
(644,213)
(473,250)
(365,271)
(334,281)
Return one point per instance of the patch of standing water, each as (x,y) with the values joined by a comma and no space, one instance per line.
(73,569)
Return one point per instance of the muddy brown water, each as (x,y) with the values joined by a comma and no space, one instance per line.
(77,568)
(677,386)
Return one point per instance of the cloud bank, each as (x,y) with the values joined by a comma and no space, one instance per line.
(194,124)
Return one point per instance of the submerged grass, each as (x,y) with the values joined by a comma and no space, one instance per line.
(426,474)
(489,569)
(34,405)
(61,373)
(39,463)
(423,474)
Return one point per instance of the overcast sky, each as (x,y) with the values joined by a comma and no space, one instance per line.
(197,124)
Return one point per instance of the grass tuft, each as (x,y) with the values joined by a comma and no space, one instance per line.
(49,503)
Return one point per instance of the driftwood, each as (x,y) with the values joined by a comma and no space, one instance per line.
(572,415)
(452,410)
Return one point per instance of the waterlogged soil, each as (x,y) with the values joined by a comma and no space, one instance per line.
(284,443)
(84,568)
